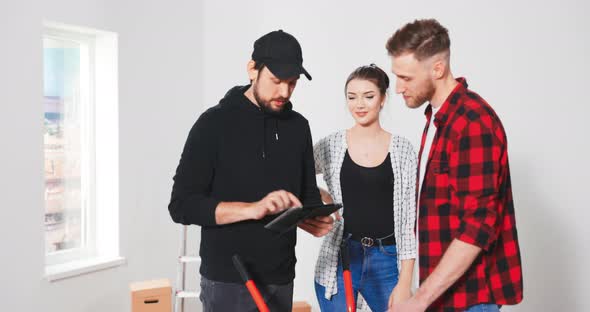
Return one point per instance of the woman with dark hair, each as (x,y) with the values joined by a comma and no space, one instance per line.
(373,174)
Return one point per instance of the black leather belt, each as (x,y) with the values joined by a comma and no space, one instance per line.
(370,241)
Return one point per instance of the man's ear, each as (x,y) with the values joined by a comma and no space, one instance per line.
(252,71)
(438,69)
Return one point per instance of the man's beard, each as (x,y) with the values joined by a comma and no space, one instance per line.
(423,96)
(265,106)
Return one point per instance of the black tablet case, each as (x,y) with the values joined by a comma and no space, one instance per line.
(290,217)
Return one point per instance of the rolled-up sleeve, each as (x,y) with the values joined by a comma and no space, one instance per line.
(475,167)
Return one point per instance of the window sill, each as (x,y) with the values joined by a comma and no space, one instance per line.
(75,268)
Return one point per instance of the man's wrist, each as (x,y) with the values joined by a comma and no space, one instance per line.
(422,298)
(231,212)
(248,211)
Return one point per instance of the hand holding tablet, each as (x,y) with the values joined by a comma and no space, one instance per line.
(292,216)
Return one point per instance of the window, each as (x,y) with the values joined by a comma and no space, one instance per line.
(79,87)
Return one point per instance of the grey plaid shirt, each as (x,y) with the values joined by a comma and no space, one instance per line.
(329,154)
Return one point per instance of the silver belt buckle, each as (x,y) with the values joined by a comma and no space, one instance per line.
(367,241)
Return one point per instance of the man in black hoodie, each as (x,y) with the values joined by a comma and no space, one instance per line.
(245,160)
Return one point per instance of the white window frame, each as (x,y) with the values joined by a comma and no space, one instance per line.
(100,173)
(88,168)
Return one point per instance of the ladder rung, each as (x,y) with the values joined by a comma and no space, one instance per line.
(187,294)
(189,259)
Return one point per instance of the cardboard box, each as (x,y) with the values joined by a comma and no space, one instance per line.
(151,296)
(301,306)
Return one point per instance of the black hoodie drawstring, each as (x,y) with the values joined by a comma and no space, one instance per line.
(264,135)
(236,98)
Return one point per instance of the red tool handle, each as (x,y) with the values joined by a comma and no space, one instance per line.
(256,296)
(348,291)
(350,306)
(254,292)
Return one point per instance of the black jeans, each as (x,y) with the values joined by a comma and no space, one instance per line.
(228,297)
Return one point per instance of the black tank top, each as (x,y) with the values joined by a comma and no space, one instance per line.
(367,196)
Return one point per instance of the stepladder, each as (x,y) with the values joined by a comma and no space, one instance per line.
(184,259)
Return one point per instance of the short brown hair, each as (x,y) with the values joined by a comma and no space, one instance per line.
(424,38)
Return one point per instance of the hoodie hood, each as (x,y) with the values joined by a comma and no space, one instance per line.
(235,99)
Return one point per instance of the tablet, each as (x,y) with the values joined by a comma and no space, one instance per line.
(290,217)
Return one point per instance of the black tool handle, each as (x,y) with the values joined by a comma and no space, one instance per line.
(344,255)
(241,268)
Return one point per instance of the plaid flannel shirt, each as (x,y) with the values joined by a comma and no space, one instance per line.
(467,195)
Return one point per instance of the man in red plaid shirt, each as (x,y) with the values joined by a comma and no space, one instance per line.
(469,257)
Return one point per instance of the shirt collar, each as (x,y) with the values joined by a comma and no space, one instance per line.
(449,105)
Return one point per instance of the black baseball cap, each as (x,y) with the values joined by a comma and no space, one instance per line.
(281,53)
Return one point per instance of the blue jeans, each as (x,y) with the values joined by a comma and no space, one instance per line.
(485,307)
(374,274)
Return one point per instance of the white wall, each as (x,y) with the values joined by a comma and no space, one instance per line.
(160,70)
(21,162)
(528,59)
(177,58)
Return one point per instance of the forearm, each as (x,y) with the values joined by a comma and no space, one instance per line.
(405,276)
(272,203)
(231,212)
(455,261)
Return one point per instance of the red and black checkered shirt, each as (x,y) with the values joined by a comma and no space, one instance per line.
(467,195)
